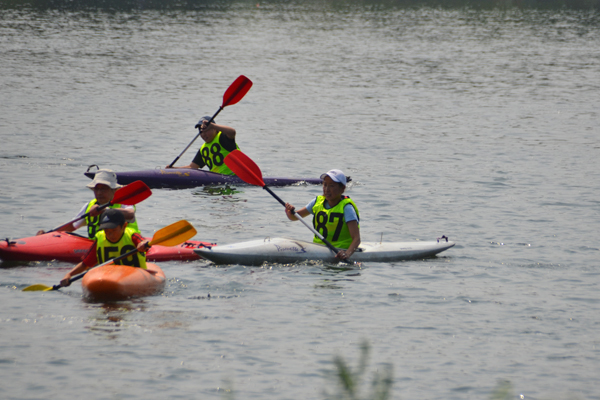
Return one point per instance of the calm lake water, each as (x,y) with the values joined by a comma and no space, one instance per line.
(480,125)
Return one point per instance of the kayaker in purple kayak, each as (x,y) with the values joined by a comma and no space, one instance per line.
(219,140)
(104,186)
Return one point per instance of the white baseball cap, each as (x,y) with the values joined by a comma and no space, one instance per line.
(106,177)
(336,175)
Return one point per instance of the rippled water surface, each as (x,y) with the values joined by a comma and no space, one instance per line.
(480,125)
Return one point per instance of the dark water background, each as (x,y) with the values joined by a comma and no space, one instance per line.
(129,5)
(481,124)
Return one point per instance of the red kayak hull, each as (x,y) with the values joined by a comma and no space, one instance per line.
(121,282)
(70,247)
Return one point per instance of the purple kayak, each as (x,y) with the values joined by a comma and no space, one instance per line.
(189,178)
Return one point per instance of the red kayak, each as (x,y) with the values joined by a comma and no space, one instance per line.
(120,282)
(70,247)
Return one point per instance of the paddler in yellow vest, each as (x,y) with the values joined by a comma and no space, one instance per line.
(335,216)
(113,239)
(104,186)
(219,140)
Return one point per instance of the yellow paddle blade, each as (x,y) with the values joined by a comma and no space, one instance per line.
(37,288)
(174,234)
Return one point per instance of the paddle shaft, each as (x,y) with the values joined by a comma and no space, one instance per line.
(313,230)
(58,228)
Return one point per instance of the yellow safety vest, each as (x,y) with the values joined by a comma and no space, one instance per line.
(105,249)
(331,223)
(94,222)
(213,155)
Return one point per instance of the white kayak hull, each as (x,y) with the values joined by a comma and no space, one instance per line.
(285,251)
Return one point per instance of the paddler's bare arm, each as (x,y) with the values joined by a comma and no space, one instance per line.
(79,268)
(128,213)
(227,130)
(213,129)
(67,228)
(355,234)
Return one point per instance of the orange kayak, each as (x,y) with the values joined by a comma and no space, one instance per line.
(121,282)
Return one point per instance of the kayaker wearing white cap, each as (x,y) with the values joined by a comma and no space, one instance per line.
(336,216)
(219,140)
(104,186)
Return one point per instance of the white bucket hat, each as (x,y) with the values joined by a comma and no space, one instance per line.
(336,175)
(106,177)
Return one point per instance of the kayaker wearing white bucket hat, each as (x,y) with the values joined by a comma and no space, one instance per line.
(104,186)
(105,177)
(336,216)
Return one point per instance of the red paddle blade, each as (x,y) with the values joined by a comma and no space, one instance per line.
(244,167)
(131,194)
(236,91)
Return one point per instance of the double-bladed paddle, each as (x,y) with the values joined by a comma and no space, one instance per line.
(171,235)
(249,172)
(129,195)
(236,91)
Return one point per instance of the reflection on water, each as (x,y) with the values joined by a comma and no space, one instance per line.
(111,318)
(214,297)
(15,264)
(233,5)
(227,191)
(328,285)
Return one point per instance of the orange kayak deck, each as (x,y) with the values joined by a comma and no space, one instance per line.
(122,282)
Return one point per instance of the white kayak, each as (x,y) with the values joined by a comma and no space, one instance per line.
(285,251)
